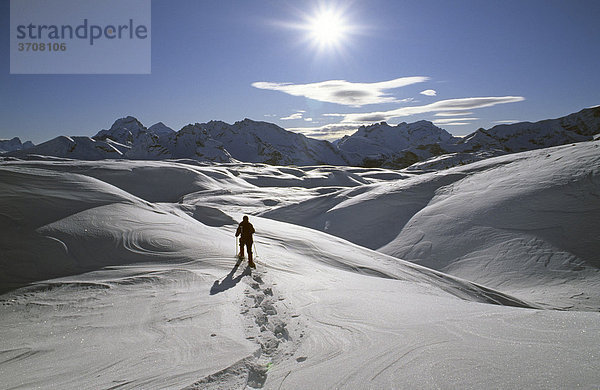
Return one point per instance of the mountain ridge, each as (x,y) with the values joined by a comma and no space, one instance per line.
(420,145)
(9,145)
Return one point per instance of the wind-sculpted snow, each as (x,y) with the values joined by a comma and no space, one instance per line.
(121,274)
(371,215)
(524,223)
(57,223)
(84,213)
(528,227)
(150,180)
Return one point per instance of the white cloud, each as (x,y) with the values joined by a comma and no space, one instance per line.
(429,92)
(457,113)
(308,119)
(296,115)
(344,92)
(448,121)
(462,104)
(506,122)
(328,132)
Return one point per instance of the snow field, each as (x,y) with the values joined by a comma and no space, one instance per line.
(111,279)
(525,223)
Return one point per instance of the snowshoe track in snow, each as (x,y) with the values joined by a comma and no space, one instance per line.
(271,325)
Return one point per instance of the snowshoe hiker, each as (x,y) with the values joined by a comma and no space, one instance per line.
(245,231)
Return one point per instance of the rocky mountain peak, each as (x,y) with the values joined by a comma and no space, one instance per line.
(9,145)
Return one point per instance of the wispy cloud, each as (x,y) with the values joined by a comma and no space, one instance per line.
(447,121)
(506,122)
(344,92)
(463,104)
(328,132)
(296,115)
(457,113)
(429,92)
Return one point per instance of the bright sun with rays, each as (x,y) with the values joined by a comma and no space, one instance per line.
(327,28)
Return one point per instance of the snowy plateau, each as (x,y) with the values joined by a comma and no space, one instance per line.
(400,258)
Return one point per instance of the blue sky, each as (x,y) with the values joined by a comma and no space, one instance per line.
(462,64)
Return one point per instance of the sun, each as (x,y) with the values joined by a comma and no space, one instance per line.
(327,28)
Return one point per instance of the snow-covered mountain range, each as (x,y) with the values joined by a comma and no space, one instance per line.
(420,144)
(429,147)
(9,145)
(215,141)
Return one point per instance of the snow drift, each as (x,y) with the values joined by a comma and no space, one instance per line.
(528,225)
(121,274)
(524,223)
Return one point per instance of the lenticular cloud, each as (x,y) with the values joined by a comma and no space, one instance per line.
(342,91)
(442,105)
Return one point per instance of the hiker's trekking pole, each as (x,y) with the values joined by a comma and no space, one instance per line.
(236,246)
(255,253)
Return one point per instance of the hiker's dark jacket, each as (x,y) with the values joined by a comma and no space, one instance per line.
(245,230)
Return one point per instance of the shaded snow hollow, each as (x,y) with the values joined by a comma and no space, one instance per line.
(121,274)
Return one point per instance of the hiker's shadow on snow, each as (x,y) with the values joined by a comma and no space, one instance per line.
(222,285)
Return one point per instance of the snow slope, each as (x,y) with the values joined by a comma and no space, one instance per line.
(126,283)
(528,226)
(524,223)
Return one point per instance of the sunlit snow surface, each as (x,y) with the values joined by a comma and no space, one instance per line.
(122,275)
